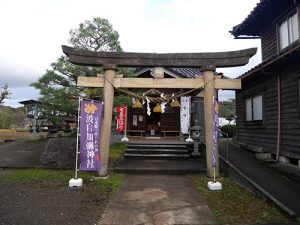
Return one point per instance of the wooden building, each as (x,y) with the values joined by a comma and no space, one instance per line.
(167,124)
(268,106)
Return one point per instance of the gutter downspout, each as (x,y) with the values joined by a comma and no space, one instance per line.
(278,111)
(278,117)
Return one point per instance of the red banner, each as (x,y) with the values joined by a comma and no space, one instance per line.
(121,118)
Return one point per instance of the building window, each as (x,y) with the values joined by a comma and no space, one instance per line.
(288,31)
(254,108)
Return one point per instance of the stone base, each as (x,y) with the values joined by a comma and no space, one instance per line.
(263,156)
(214,186)
(76,182)
(101,178)
(284,159)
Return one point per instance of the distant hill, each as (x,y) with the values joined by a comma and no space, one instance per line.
(227,109)
(11,117)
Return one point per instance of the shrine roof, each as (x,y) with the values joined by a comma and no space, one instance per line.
(30,102)
(265,12)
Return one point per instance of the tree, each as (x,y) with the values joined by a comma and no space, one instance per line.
(57,86)
(11,117)
(4,93)
(227,109)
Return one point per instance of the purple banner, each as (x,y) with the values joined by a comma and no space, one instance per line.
(215,130)
(90,120)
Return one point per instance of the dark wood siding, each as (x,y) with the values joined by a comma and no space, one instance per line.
(140,116)
(264,134)
(269,42)
(290,128)
(170,119)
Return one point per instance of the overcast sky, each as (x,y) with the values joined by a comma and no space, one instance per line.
(33,31)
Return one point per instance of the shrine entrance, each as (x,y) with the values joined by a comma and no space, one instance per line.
(151,121)
(208,83)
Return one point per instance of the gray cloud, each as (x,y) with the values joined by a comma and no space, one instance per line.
(20,94)
(17,75)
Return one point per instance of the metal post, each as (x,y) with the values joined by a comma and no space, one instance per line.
(35,116)
(126,123)
(77,182)
(227,146)
(77,152)
(214,174)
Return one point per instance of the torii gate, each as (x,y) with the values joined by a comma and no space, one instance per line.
(206,61)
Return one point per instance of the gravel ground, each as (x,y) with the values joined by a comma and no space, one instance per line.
(45,203)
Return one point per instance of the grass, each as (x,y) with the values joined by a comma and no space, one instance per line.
(33,175)
(107,186)
(117,151)
(235,205)
(111,184)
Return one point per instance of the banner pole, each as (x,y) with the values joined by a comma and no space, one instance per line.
(214,174)
(126,123)
(77,152)
(77,182)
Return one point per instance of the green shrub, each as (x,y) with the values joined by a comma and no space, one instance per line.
(229,129)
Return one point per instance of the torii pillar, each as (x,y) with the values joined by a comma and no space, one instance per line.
(209,92)
(108,91)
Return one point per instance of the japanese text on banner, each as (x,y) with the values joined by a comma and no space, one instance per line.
(90,120)
(121,118)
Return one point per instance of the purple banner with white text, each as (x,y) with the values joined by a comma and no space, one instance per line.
(215,131)
(90,120)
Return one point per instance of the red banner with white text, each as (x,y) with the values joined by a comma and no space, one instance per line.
(121,118)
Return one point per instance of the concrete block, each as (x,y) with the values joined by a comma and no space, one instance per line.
(35,137)
(284,159)
(263,156)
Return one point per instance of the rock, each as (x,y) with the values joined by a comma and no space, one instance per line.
(59,152)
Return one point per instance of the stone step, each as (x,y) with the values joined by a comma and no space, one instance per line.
(155,146)
(132,165)
(152,150)
(173,156)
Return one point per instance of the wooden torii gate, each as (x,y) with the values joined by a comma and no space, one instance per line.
(206,61)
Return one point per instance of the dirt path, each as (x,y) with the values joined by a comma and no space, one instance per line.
(45,203)
(21,153)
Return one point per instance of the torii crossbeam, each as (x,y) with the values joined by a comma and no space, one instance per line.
(206,61)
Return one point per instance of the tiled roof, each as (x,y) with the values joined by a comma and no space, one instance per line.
(186,72)
(264,12)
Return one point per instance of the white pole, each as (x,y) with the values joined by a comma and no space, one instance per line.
(125,132)
(77,182)
(214,174)
(77,152)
